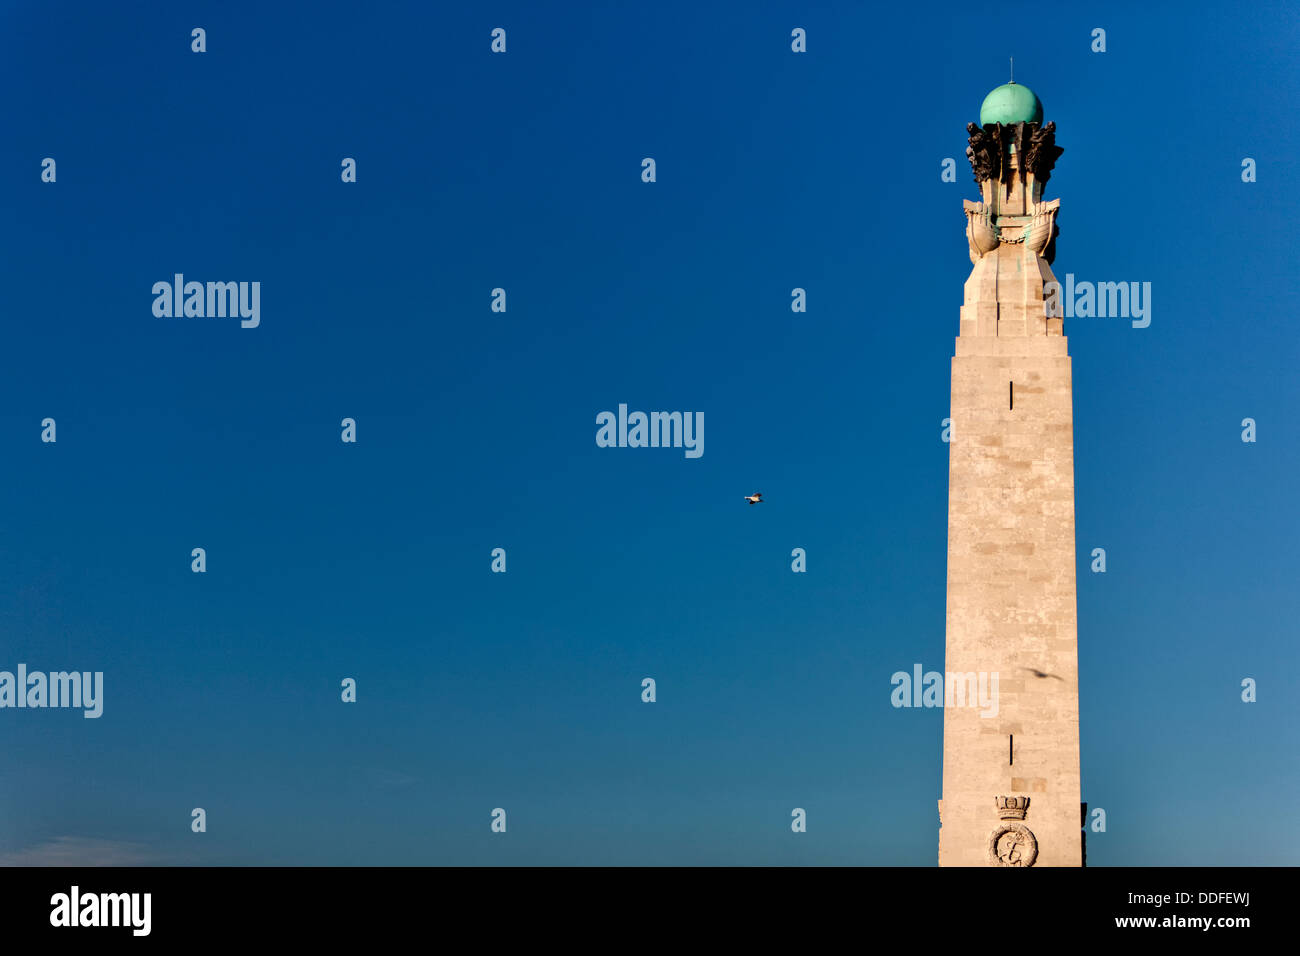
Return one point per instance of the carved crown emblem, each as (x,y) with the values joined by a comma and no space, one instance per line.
(1012,808)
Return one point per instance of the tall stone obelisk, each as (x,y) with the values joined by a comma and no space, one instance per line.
(1011,792)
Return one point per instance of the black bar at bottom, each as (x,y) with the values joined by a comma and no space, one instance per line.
(661,907)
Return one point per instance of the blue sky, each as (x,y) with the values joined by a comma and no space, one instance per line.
(476,429)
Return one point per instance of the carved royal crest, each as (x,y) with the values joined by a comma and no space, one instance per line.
(1012,808)
(1012,845)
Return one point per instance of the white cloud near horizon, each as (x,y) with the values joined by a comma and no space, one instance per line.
(82,851)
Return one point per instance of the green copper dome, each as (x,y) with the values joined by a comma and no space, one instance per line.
(1011,103)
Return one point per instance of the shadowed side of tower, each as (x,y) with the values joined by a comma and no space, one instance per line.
(1011,789)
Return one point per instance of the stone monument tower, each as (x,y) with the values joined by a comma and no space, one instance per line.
(1011,792)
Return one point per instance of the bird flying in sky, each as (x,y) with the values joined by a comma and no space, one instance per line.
(754,498)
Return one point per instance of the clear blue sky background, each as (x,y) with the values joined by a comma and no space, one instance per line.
(476,429)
